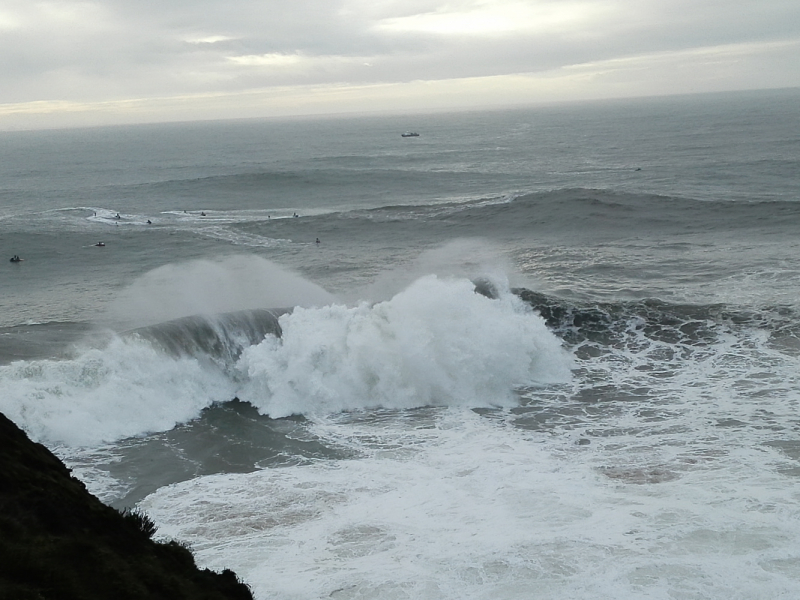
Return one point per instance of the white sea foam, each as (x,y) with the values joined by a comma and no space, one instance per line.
(467,507)
(125,389)
(436,343)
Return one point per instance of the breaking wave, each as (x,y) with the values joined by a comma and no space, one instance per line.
(436,343)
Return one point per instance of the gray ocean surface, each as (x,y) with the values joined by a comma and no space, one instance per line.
(266,334)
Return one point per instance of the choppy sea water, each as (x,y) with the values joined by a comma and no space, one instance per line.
(535,353)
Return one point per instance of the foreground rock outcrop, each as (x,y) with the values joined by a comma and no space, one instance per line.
(58,541)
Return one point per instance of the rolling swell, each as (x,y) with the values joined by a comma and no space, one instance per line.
(601,212)
(318,185)
(556,215)
(221,337)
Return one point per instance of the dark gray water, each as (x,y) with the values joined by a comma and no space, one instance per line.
(618,420)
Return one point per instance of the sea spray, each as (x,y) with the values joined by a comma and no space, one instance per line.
(227,284)
(458,258)
(436,343)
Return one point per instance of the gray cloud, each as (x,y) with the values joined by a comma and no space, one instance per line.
(85,51)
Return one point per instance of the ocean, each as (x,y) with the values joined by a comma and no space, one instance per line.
(547,352)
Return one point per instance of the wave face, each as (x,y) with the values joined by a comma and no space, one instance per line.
(436,343)
(220,337)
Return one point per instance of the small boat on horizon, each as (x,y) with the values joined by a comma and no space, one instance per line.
(409,134)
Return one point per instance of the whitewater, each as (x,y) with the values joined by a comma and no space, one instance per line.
(537,353)
(436,343)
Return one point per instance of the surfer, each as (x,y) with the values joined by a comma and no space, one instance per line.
(202,214)
(149,222)
(117,217)
(317,241)
(16,259)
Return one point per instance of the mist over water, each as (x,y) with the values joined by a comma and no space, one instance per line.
(208,287)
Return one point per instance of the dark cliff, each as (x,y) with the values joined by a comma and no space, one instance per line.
(59,541)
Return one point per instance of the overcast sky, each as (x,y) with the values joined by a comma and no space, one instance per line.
(85,62)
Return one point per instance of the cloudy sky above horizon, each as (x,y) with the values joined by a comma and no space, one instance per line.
(84,62)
